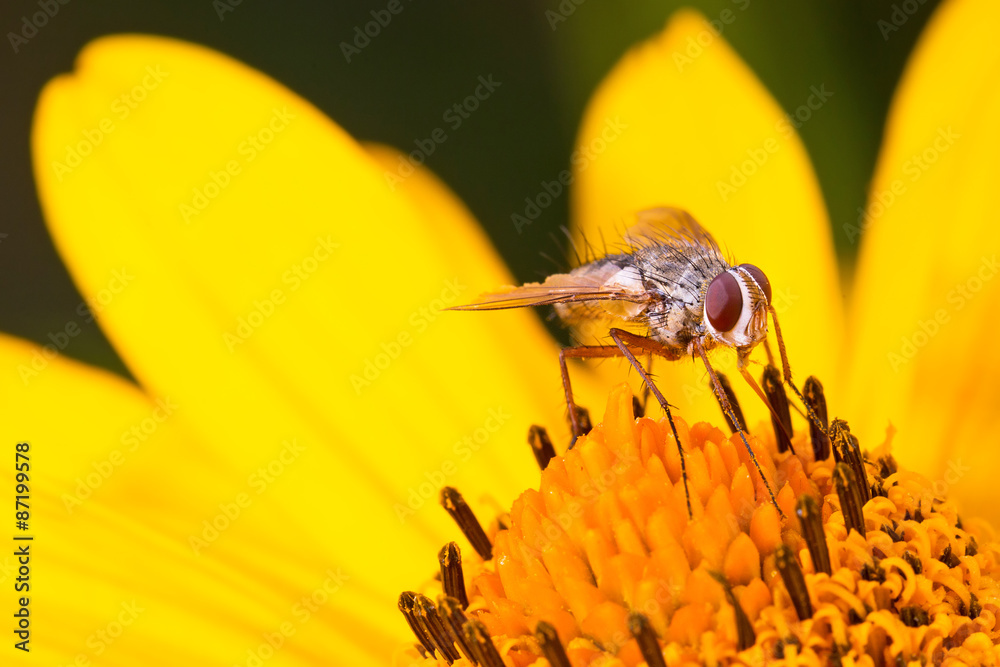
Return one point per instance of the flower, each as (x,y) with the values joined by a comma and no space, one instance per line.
(280,304)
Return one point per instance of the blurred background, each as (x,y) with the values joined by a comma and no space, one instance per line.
(548,55)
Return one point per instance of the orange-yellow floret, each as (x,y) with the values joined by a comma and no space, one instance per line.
(607,533)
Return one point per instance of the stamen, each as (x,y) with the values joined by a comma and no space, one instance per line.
(781,417)
(816,400)
(427,614)
(850,498)
(637,410)
(551,647)
(478,637)
(914,562)
(949,558)
(914,616)
(849,450)
(454,618)
(734,404)
(407,602)
(452,579)
(745,635)
(791,574)
(541,445)
(811,519)
(644,634)
(583,420)
(455,505)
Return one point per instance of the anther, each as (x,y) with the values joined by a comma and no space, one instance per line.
(479,639)
(454,618)
(552,649)
(914,616)
(781,417)
(638,411)
(914,561)
(455,505)
(407,602)
(812,391)
(791,574)
(452,580)
(734,404)
(745,635)
(583,420)
(811,520)
(541,445)
(850,498)
(427,614)
(645,636)
(849,450)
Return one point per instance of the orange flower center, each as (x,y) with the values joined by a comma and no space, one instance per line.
(601,565)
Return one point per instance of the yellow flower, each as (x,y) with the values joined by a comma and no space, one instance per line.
(271,486)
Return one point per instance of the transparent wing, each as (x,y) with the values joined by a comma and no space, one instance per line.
(670,226)
(558,288)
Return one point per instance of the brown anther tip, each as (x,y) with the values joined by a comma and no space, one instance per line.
(850,498)
(637,410)
(552,648)
(454,618)
(455,505)
(734,404)
(795,583)
(427,614)
(583,419)
(541,446)
(645,636)
(746,636)
(452,577)
(811,520)
(781,418)
(478,637)
(813,394)
(407,604)
(849,450)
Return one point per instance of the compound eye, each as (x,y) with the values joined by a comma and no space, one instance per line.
(724,302)
(760,278)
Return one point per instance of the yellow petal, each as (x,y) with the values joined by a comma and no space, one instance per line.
(681,121)
(926,302)
(256,264)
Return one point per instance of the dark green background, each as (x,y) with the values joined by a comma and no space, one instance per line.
(425,60)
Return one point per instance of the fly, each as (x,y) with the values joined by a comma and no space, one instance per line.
(670,293)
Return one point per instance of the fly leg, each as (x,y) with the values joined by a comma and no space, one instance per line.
(727,408)
(625,343)
(786,371)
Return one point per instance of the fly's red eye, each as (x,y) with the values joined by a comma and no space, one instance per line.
(724,302)
(760,278)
